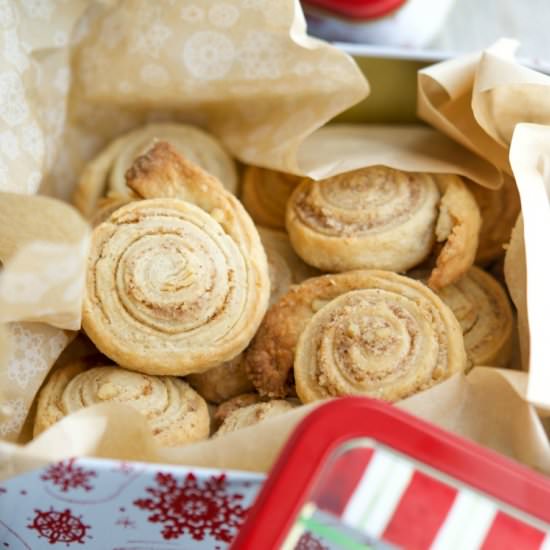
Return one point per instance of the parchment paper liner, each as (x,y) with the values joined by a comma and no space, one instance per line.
(488,405)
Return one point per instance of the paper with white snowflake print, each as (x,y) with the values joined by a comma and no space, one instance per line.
(43,248)
(228,65)
(487,405)
(485,101)
(73,75)
(246,70)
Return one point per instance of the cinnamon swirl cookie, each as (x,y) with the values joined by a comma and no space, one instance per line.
(222,382)
(265,194)
(382,218)
(106,172)
(499,210)
(388,341)
(483,310)
(174,411)
(106,206)
(285,267)
(175,285)
(244,417)
(271,356)
(237,402)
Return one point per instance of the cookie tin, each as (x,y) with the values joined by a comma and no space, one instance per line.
(359,473)
(112,505)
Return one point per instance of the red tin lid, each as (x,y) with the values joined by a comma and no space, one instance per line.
(358,9)
(313,480)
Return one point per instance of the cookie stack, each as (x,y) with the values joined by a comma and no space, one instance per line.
(359,284)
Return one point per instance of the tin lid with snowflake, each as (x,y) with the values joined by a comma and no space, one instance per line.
(105,504)
(359,473)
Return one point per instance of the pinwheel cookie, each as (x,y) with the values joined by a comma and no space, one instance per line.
(173,410)
(244,417)
(223,381)
(265,194)
(285,266)
(381,218)
(105,174)
(484,312)
(237,402)
(499,211)
(176,284)
(386,336)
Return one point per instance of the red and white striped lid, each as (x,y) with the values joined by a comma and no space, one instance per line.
(359,473)
(394,499)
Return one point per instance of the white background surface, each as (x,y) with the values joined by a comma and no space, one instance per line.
(475,24)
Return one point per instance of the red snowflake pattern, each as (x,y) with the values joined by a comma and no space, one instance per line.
(66,475)
(308,542)
(57,526)
(199,509)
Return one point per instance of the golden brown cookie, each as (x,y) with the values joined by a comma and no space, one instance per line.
(265,194)
(244,417)
(381,218)
(237,402)
(457,229)
(174,411)
(270,357)
(499,211)
(485,315)
(106,206)
(222,382)
(106,172)
(285,267)
(391,339)
(175,285)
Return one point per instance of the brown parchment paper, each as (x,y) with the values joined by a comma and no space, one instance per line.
(485,101)
(338,148)
(530,159)
(75,74)
(43,243)
(445,96)
(515,273)
(488,406)
(245,70)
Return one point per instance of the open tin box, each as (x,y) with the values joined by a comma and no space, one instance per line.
(359,473)
(132,506)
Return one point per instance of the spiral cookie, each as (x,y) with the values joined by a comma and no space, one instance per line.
(106,206)
(373,217)
(265,194)
(483,310)
(175,286)
(174,411)
(499,211)
(270,358)
(382,218)
(457,228)
(106,172)
(244,417)
(222,382)
(285,267)
(388,341)
(237,402)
